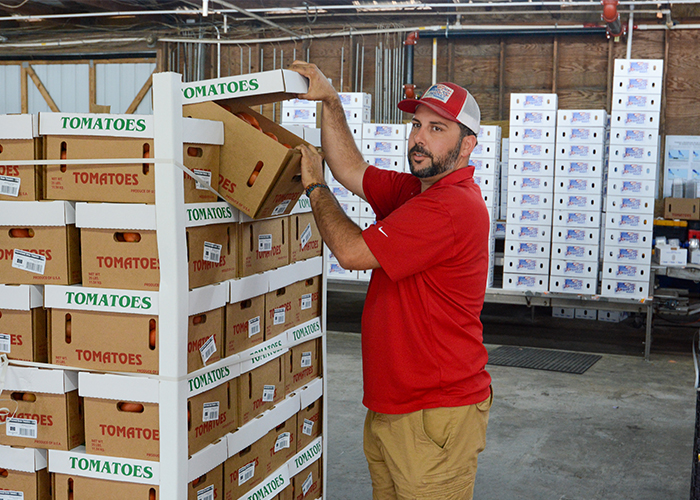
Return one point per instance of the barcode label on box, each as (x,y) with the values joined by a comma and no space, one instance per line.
(206,494)
(208,349)
(245,473)
(11,495)
(305,236)
(206,177)
(265,243)
(5,342)
(306,301)
(212,252)
(279,209)
(210,411)
(253,326)
(306,486)
(308,427)
(21,427)
(279,317)
(283,441)
(268,393)
(9,185)
(305,359)
(27,261)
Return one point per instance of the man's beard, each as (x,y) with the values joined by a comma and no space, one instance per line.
(438,165)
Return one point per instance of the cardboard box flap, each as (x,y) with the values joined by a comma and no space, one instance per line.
(253,89)
(100,125)
(306,457)
(213,375)
(119,387)
(78,463)
(196,131)
(207,298)
(37,213)
(28,379)
(207,459)
(17,126)
(203,214)
(110,300)
(311,392)
(116,216)
(22,459)
(295,272)
(21,297)
(249,287)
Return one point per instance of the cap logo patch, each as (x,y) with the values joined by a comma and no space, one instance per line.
(440,92)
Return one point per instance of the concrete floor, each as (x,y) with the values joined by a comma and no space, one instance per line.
(622,430)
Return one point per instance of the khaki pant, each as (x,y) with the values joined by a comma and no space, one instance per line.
(428,454)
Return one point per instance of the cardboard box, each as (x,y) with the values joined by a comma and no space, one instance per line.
(628,170)
(303,365)
(629,204)
(525,232)
(46,240)
(578,185)
(627,238)
(309,424)
(530,150)
(632,187)
(246,469)
(212,415)
(580,235)
(45,409)
(578,269)
(23,323)
(586,168)
(19,141)
(626,271)
(534,249)
(25,475)
(539,102)
(563,312)
(532,134)
(543,168)
(212,253)
(98,136)
(263,245)
(210,483)
(642,119)
(534,216)
(282,441)
(518,265)
(205,338)
(280,311)
(582,117)
(624,288)
(564,284)
(261,388)
(534,283)
(671,256)
(306,485)
(575,252)
(277,187)
(67,487)
(533,117)
(636,102)
(682,208)
(245,324)
(304,238)
(307,294)
(103,329)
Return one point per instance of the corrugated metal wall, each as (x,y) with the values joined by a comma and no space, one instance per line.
(118,84)
(10,100)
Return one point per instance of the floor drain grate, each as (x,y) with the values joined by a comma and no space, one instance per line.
(542,359)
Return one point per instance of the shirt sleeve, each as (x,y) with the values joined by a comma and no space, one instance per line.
(385,190)
(416,236)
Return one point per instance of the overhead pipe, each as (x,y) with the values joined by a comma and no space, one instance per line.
(612,18)
(409,87)
(630,29)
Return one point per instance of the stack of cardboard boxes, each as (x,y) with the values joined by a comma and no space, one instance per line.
(631,185)
(530,191)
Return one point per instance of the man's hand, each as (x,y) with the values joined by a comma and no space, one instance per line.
(311,166)
(320,89)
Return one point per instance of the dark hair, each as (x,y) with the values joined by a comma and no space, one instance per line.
(464,131)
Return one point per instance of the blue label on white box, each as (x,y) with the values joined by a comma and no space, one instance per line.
(626,270)
(574,251)
(383,147)
(634,152)
(528,248)
(530,183)
(578,167)
(528,232)
(527,264)
(628,237)
(477,164)
(577,184)
(624,287)
(302,114)
(580,117)
(631,169)
(629,220)
(577,201)
(576,218)
(579,133)
(635,118)
(532,166)
(631,186)
(573,284)
(533,118)
(383,131)
(478,149)
(528,281)
(532,149)
(637,83)
(532,133)
(631,203)
(628,254)
(578,151)
(639,67)
(637,101)
(634,135)
(534,100)
(575,234)
(530,199)
(529,215)
(574,267)
(382,163)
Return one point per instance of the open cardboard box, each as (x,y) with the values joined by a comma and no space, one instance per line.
(247,468)
(211,482)
(19,141)
(304,238)
(277,186)
(261,388)
(263,245)
(303,364)
(66,487)
(44,409)
(26,475)
(245,324)
(101,136)
(23,323)
(47,237)
(206,339)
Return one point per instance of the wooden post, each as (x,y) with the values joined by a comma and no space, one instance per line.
(24,89)
(501,79)
(609,82)
(555,63)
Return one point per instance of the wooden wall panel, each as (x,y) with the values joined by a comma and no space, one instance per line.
(683,83)
(529,64)
(583,62)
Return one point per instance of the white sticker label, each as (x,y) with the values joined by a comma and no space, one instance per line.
(210,411)
(206,177)
(279,317)
(212,252)
(306,486)
(245,473)
(308,427)
(27,261)
(305,236)
(283,441)
(9,185)
(265,243)
(279,209)
(11,495)
(253,326)
(208,349)
(305,359)
(5,342)
(206,494)
(268,393)
(21,427)
(306,301)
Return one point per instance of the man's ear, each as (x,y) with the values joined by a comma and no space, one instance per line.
(468,145)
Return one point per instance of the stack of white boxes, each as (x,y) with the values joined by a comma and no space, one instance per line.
(503,182)
(298,112)
(486,161)
(578,192)
(631,185)
(530,191)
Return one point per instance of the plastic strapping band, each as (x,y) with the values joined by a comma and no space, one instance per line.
(696,346)
(4,363)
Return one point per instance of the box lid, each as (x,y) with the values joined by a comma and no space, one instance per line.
(29,379)
(115,216)
(17,126)
(91,124)
(203,214)
(21,297)
(119,387)
(110,300)
(196,131)
(78,463)
(22,459)
(311,392)
(253,89)
(207,298)
(37,213)
(207,459)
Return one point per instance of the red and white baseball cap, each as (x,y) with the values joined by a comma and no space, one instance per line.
(449,101)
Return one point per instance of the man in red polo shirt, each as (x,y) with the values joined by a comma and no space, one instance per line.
(425,385)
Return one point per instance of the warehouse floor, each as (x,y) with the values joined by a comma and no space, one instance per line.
(621,430)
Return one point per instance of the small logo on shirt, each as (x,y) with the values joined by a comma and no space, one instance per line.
(381,230)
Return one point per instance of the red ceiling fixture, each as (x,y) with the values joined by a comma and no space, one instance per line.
(612,19)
